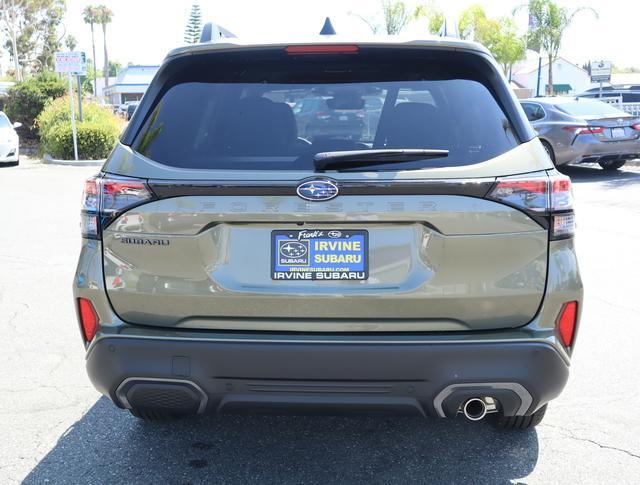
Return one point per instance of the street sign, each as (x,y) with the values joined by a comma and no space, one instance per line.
(600,71)
(71,63)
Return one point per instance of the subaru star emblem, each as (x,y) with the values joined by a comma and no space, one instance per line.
(317,190)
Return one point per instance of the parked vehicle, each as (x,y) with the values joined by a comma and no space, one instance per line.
(131,108)
(579,130)
(630,93)
(124,108)
(429,270)
(9,141)
(339,116)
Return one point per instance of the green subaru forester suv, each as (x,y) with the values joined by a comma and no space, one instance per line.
(329,225)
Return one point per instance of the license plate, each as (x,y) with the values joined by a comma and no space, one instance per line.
(320,254)
(617,133)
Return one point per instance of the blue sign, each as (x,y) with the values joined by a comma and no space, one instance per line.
(319,254)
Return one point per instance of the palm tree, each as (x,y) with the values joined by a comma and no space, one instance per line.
(71,42)
(104,17)
(549,23)
(89,15)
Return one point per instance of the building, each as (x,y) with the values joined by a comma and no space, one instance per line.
(130,84)
(568,78)
(5,86)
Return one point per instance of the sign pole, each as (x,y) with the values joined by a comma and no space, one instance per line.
(539,76)
(79,98)
(73,118)
(600,92)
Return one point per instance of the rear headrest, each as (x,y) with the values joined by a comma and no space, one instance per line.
(260,126)
(416,125)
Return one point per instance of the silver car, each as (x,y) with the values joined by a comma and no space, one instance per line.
(579,130)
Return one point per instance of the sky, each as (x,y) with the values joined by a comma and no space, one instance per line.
(143,31)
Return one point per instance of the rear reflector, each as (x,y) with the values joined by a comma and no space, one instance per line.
(322,49)
(566,323)
(88,318)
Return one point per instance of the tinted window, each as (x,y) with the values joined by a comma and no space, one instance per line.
(590,108)
(266,120)
(534,112)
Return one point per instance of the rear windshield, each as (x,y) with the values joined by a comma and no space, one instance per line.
(590,108)
(257,115)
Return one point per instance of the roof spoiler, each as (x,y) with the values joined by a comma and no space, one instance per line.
(213,33)
(449,28)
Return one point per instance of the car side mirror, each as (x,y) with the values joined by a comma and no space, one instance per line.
(17,124)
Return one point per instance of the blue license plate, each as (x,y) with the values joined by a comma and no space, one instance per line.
(320,254)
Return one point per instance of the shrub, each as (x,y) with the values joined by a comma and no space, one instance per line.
(97,133)
(26,99)
(95,141)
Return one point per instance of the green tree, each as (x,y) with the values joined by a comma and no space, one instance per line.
(90,16)
(194,25)
(31,31)
(470,22)
(114,68)
(71,42)
(500,36)
(397,14)
(507,46)
(549,23)
(26,99)
(104,17)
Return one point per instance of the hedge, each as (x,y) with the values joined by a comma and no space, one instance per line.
(94,141)
(26,100)
(97,133)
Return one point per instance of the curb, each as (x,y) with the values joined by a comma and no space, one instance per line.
(48,159)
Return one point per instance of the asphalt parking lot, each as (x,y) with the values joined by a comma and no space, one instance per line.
(57,429)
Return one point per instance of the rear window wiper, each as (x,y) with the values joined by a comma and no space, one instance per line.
(365,158)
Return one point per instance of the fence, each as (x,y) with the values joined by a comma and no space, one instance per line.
(631,108)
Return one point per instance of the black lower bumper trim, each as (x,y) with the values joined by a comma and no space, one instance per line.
(402,377)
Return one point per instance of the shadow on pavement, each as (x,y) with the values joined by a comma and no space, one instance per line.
(109,446)
(593,173)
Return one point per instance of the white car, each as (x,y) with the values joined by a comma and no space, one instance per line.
(9,142)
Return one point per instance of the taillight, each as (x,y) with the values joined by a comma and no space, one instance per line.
(542,196)
(322,49)
(104,198)
(322,115)
(530,194)
(584,130)
(636,127)
(88,318)
(566,323)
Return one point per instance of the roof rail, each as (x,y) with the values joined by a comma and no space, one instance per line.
(449,28)
(212,33)
(327,28)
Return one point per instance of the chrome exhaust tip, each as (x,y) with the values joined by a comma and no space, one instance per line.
(474,409)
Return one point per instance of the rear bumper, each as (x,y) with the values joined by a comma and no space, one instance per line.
(606,151)
(230,375)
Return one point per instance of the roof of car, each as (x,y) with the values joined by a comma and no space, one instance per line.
(556,100)
(374,41)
